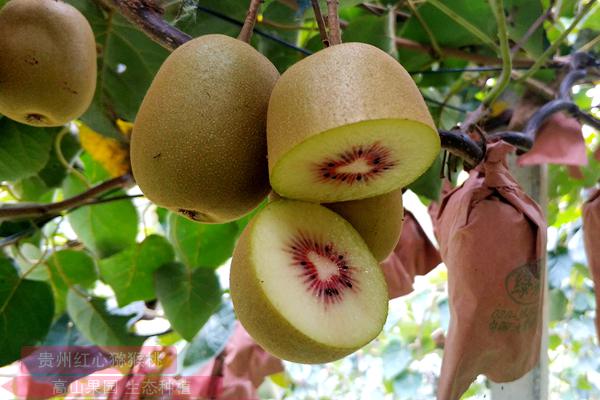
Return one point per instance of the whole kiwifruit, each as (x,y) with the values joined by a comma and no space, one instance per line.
(305,285)
(347,123)
(47,62)
(198,144)
(378,220)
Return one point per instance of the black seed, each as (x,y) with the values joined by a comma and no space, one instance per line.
(347,283)
(344,266)
(360,152)
(328,291)
(330,164)
(334,176)
(376,161)
(327,249)
(343,178)
(326,175)
(336,292)
(303,263)
(359,177)
(341,257)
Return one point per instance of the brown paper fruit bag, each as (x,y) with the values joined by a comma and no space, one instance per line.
(559,141)
(591,238)
(492,239)
(414,255)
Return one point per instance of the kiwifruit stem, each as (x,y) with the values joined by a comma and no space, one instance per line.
(248,27)
(320,22)
(335,36)
(148,16)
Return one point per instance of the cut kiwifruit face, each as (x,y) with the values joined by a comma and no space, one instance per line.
(47,62)
(347,123)
(199,145)
(377,219)
(305,285)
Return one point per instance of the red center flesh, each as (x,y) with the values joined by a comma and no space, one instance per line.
(327,287)
(360,164)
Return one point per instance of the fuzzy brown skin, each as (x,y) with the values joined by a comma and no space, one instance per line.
(338,86)
(47,62)
(198,144)
(378,220)
(262,321)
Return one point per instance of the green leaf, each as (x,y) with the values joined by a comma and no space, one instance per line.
(445,78)
(583,383)
(32,189)
(189,297)
(592,20)
(201,245)
(554,341)
(38,188)
(127,63)
(67,268)
(100,326)
(54,172)
(27,257)
(558,305)
(104,228)
(130,272)
(211,339)
(282,57)
(26,310)
(24,150)
(396,358)
(93,171)
(369,29)
(521,16)
(448,32)
(64,333)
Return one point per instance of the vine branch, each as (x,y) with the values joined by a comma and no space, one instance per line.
(390,31)
(149,18)
(320,22)
(248,27)
(87,197)
(333,19)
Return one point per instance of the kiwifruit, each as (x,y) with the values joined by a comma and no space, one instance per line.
(198,144)
(47,62)
(305,285)
(378,220)
(347,123)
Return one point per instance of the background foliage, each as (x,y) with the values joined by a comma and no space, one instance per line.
(104,267)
